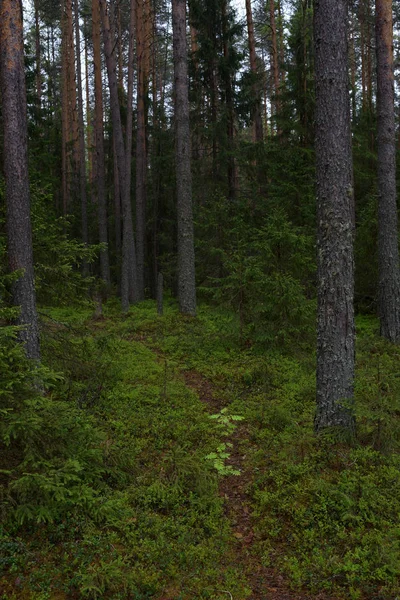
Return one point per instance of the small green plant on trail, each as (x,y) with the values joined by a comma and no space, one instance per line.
(226,424)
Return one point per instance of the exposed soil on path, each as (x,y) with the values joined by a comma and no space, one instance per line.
(266,583)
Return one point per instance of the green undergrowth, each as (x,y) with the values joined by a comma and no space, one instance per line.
(326,513)
(108,490)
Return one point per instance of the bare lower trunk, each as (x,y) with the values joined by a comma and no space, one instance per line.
(19,233)
(141,158)
(133,287)
(335,346)
(257,120)
(388,251)
(186,264)
(99,146)
(128,272)
(81,135)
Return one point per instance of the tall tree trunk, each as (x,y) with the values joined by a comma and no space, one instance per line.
(388,250)
(133,289)
(256,116)
(81,136)
(38,53)
(230,114)
(361,16)
(186,264)
(274,57)
(128,273)
(141,159)
(89,127)
(100,185)
(70,125)
(335,206)
(19,233)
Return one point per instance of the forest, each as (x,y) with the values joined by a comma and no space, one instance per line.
(199,300)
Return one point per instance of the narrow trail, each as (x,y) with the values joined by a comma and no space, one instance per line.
(266,583)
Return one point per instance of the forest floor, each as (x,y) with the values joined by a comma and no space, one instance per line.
(181,464)
(265,583)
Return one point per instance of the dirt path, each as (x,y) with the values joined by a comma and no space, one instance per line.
(265,583)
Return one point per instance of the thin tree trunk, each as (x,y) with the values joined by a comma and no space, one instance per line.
(275,62)
(388,250)
(141,162)
(335,206)
(257,121)
(70,125)
(128,272)
(81,136)
(19,233)
(39,83)
(230,116)
(89,128)
(99,145)
(186,263)
(133,289)
(361,17)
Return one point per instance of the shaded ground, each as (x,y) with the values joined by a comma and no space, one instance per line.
(266,583)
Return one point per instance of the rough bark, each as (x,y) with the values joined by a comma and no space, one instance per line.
(335,345)
(388,250)
(230,111)
(100,186)
(274,58)
(186,261)
(128,272)
(19,233)
(81,138)
(38,57)
(141,154)
(256,116)
(69,106)
(133,288)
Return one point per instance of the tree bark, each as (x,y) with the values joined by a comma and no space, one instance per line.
(274,57)
(69,106)
(335,209)
(100,185)
(186,260)
(388,250)
(141,153)
(257,120)
(81,137)
(128,274)
(19,233)
(134,294)
(38,53)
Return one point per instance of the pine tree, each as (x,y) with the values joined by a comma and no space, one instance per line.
(335,218)
(19,233)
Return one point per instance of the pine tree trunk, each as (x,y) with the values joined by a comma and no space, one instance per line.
(335,346)
(274,57)
(69,106)
(128,272)
(100,185)
(19,233)
(230,113)
(141,160)
(256,116)
(133,289)
(186,264)
(388,250)
(38,57)
(81,136)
